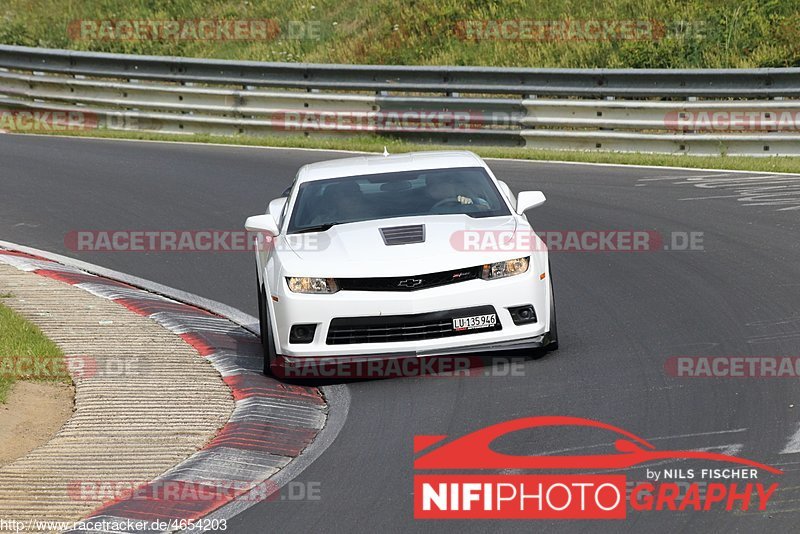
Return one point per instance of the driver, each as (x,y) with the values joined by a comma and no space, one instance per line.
(446,188)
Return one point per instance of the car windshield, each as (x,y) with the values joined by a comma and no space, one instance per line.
(323,203)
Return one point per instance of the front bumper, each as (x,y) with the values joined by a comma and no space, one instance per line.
(527,288)
(301,362)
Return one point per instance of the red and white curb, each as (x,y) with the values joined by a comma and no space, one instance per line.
(271,425)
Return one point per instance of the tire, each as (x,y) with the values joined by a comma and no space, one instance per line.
(267,341)
(551,337)
(552,334)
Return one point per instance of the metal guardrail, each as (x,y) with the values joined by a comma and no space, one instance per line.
(632,110)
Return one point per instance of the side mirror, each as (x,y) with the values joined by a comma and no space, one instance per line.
(276,209)
(529,199)
(262,223)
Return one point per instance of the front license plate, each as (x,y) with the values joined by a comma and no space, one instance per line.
(475,322)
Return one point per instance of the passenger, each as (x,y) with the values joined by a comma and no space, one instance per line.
(342,202)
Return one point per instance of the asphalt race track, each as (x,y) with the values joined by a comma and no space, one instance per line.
(621,315)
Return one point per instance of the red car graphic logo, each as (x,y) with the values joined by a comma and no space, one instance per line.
(473,450)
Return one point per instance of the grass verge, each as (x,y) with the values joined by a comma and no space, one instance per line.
(661,33)
(790,164)
(25,353)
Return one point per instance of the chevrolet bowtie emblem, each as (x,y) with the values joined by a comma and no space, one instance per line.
(410,282)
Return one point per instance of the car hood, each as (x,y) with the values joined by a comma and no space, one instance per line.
(358,250)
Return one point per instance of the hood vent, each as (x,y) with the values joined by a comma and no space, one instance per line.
(403,235)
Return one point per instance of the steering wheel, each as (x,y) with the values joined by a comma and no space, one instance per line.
(445,202)
(477,203)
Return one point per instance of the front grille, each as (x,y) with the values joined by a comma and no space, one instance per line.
(390,328)
(403,235)
(410,283)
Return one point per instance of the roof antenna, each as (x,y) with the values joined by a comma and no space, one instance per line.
(385,152)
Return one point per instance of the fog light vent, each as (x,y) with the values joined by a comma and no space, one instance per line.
(523,314)
(302,333)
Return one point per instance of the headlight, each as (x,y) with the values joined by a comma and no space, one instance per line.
(502,269)
(305,284)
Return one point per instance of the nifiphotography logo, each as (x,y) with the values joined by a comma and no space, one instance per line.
(449,489)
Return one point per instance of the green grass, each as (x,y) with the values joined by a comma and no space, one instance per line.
(22,341)
(698,33)
(376,144)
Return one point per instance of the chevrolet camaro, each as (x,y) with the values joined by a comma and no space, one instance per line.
(400,256)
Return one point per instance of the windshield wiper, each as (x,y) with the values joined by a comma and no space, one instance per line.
(317,228)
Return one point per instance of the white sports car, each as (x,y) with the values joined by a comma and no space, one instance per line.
(404,255)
